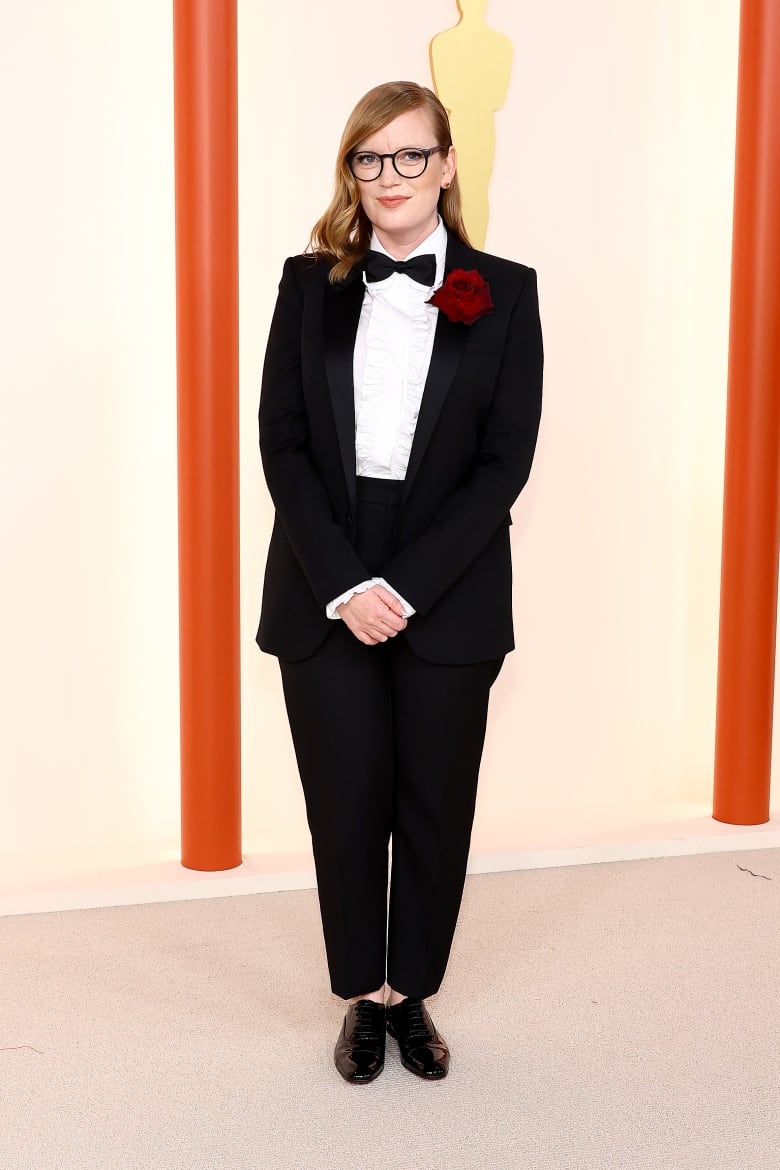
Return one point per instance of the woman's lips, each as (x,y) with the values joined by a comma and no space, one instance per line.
(393,200)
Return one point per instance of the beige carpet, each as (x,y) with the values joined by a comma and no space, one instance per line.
(603,1017)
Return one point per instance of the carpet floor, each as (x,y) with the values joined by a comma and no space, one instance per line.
(619,1016)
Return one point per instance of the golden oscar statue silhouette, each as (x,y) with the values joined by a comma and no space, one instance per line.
(471,64)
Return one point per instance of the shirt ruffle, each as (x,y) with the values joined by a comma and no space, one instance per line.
(393,377)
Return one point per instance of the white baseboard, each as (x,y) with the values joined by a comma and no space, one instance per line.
(67,880)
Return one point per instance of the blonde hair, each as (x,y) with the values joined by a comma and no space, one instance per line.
(342,235)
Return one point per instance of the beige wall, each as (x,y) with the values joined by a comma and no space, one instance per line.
(613,178)
(89,748)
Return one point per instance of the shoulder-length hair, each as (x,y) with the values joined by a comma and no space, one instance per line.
(342,235)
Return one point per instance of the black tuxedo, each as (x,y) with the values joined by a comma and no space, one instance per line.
(471,456)
(389,737)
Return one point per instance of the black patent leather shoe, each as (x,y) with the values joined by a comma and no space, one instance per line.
(360,1048)
(423,1050)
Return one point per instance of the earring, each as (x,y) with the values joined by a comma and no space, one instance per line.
(445,186)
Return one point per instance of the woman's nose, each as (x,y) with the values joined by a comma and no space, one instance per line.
(388,177)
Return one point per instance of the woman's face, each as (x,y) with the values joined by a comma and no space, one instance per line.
(403,211)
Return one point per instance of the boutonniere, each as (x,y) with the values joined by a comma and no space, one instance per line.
(464,297)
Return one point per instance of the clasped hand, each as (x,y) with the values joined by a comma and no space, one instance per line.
(373,616)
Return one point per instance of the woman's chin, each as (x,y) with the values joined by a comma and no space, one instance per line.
(398,226)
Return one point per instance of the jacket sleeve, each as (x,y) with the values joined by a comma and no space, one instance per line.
(423,570)
(320,544)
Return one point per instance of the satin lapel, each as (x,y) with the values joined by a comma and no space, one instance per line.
(342,314)
(448,345)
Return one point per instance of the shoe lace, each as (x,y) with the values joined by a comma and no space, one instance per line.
(365,1020)
(417,1027)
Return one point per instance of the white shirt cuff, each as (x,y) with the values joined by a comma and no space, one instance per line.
(332,606)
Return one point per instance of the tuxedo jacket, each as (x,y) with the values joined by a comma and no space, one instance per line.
(471,455)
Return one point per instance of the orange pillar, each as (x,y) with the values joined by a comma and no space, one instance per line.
(206,152)
(751,513)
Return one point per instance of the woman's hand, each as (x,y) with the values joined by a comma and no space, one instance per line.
(373,616)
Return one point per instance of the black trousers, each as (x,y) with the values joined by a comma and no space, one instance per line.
(388,748)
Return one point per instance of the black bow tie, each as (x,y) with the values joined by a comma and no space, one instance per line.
(377,266)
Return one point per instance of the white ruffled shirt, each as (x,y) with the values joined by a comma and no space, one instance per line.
(393,349)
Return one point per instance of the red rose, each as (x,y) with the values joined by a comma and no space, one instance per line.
(464,296)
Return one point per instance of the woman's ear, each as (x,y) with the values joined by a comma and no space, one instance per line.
(449,167)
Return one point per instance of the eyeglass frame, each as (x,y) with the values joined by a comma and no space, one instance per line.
(425,151)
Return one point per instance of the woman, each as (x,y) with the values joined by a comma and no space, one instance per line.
(395,434)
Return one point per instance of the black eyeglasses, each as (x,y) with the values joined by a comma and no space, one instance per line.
(409,162)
